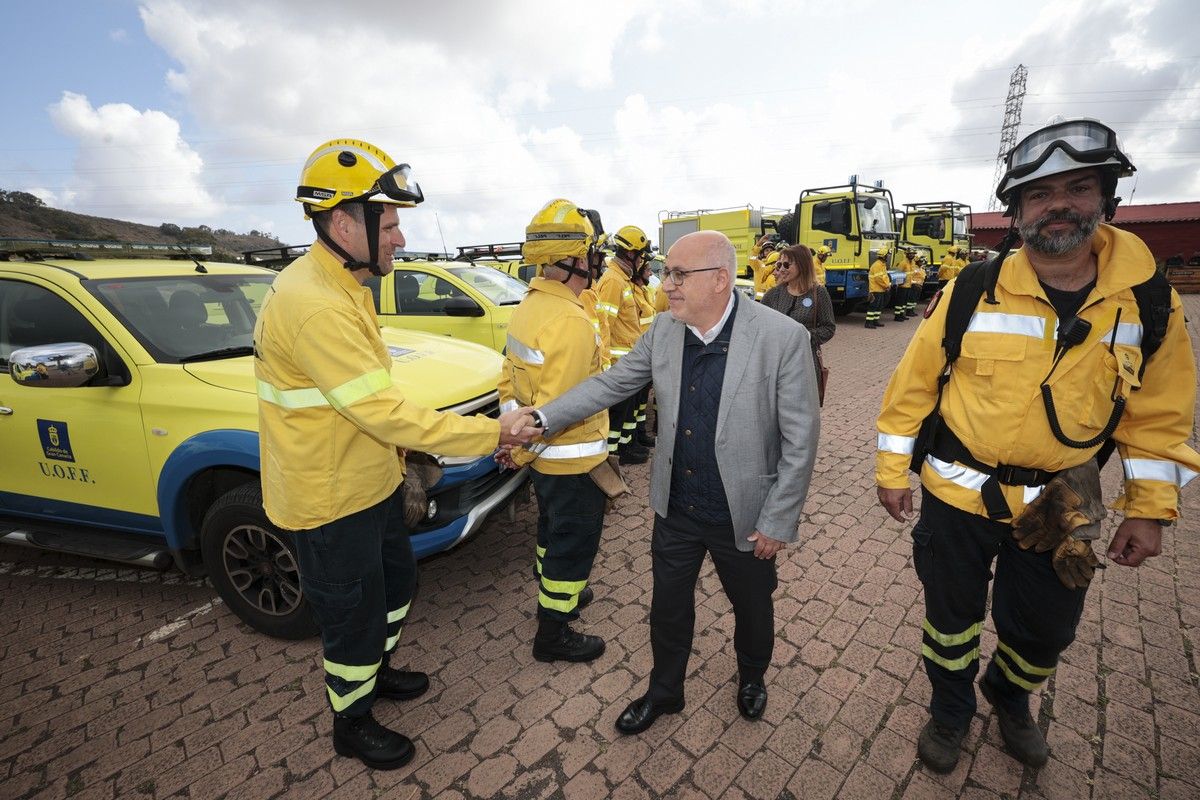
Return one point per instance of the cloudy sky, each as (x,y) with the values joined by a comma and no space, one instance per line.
(196,111)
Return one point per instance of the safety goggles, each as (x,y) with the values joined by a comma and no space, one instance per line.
(397,184)
(1086,142)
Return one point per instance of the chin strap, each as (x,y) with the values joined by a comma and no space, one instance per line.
(567,265)
(372,213)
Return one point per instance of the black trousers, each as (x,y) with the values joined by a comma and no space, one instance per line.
(621,424)
(677,548)
(358,574)
(570,520)
(1035,615)
(876,303)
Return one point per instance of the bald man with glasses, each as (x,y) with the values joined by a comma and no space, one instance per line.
(737,440)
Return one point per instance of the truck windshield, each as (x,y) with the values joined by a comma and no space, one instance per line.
(178,317)
(877,218)
(499,287)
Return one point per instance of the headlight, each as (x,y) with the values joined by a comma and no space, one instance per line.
(431,512)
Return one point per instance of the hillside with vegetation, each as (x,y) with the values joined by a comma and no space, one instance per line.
(24,216)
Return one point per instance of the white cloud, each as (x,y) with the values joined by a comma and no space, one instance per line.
(634,110)
(119,35)
(131,164)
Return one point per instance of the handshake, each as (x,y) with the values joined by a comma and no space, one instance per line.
(518,427)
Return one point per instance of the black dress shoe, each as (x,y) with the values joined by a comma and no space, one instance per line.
(752,699)
(397,684)
(633,454)
(371,743)
(641,713)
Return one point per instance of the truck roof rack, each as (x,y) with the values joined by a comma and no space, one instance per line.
(89,250)
(500,251)
(275,257)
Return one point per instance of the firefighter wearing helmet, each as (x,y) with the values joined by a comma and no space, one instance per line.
(620,327)
(879,281)
(821,255)
(949,266)
(551,347)
(905,305)
(1008,444)
(331,426)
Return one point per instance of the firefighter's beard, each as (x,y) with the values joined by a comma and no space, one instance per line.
(1057,244)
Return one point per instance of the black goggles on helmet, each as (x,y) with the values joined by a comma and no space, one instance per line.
(1086,142)
(397,184)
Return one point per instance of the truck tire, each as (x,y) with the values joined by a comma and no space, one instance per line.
(253,565)
(786,227)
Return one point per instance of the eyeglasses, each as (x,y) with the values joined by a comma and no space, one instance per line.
(678,276)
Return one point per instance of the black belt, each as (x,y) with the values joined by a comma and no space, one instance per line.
(946,446)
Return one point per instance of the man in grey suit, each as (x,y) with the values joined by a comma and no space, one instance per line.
(738,433)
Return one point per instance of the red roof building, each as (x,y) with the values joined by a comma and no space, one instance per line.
(1168,229)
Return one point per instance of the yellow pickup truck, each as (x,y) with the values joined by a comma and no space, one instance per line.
(129,415)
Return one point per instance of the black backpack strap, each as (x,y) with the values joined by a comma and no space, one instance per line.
(1154,308)
(1153,298)
(969,286)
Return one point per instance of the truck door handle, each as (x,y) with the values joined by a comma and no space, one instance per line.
(5,411)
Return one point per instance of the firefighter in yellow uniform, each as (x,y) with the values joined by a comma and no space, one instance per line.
(918,281)
(878,284)
(1052,346)
(620,327)
(642,293)
(949,267)
(820,257)
(762,268)
(551,347)
(331,424)
(905,304)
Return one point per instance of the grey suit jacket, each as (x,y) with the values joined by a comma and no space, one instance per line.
(768,421)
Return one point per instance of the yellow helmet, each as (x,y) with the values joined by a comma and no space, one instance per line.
(771,257)
(558,231)
(824,250)
(953,249)
(884,250)
(632,238)
(351,170)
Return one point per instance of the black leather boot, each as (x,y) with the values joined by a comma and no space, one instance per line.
(371,743)
(1020,733)
(396,684)
(585,598)
(558,641)
(633,453)
(939,746)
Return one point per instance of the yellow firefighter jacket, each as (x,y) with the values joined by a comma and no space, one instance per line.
(917,276)
(645,305)
(993,402)
(591,307)
(661,301)
(878,278)
(620,321)
(908,265)
(330,419)
(948,269)
(819,270)
(552,347)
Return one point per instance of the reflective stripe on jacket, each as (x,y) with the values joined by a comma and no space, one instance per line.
(330,419)
(645,306)
(551,347)
(993,401)
(620,322)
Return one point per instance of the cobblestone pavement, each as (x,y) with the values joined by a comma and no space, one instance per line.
(134,684)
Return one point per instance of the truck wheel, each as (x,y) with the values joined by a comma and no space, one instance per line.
(845,307)
(253,566)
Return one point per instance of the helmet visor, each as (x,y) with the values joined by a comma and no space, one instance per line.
(398,184)
(1085,141)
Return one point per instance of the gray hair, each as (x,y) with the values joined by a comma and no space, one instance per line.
(726,256)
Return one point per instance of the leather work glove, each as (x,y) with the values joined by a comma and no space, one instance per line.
(1075,563)
(421,472)
(1069,506)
